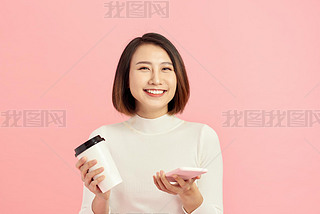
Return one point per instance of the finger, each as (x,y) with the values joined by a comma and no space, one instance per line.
(159,182)
(190,181)
(166,183)
(81,162)
(84,169)
(180,181)
(90,175)
(88,165)
(162,186)
(94,184)
(94,173)
(195,178)
(156,183)
(185,185)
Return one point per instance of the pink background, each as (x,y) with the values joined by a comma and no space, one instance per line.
(240,55)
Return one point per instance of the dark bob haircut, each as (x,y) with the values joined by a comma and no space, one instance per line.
(122,99)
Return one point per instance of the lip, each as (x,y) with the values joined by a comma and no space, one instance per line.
(157,89)
(155,95)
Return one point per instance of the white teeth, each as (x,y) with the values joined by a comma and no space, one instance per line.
(155,91)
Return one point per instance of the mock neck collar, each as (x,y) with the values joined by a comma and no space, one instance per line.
(159,125)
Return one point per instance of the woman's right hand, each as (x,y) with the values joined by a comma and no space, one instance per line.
(87,177)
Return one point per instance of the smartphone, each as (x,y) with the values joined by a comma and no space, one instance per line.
(185,173)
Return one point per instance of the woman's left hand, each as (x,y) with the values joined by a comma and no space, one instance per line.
(181,188)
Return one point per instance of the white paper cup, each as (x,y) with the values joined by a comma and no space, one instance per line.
(96,148)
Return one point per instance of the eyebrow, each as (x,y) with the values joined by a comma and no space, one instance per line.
(147,62)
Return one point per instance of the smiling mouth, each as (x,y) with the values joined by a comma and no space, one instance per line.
(155,91)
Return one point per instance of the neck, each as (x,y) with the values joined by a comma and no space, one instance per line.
(152,114)
(158,125)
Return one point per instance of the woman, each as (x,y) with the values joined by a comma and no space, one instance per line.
(151,86)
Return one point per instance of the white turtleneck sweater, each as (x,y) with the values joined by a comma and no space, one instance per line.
(141,147)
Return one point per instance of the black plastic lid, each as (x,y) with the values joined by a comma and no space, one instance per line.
(86,145)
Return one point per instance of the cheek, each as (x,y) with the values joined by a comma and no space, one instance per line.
(132,84)
(133,80)
(136,84)
(173,83)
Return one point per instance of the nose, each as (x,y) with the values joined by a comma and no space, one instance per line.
(155,78)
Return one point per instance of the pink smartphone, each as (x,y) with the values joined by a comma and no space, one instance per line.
(185,173)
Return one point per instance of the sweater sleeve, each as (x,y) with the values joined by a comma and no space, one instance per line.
(87,198)
(210,183)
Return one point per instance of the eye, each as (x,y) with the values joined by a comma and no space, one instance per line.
(168,69)
(143,68)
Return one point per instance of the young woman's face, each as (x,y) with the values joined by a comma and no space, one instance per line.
(152,80)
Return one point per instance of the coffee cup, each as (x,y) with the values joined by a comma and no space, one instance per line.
(96,148)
